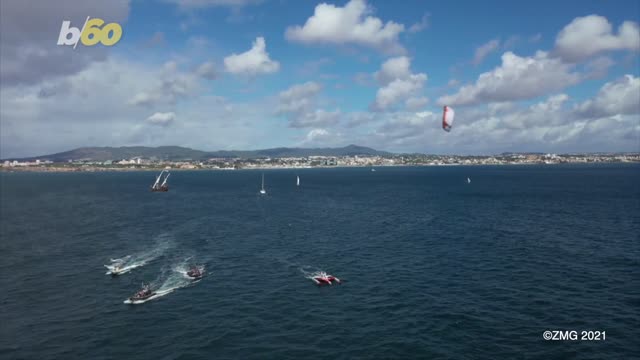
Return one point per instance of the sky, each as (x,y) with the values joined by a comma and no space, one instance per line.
(545,76)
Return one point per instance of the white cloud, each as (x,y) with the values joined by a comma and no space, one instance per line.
(300,104)
(314,134)
(545,113)
(253,62)
(207,70)
(83,109)
(298,98)
(397,90)
(551,125)
(351,24)
(421,25)
(590,35)
(453,83)
(484,50)
(516,79)
(356,119)
(167,87)
(316,117)
(29,52)
(398,83)
(320,137)
(162,119)
(598,67)
(621,96)
(394,68)
(89,109)
(416,103)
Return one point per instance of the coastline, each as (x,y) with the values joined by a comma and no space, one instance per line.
(81,169)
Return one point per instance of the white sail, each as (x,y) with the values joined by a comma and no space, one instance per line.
(262,190)
(468,181)
(165,180)
(158,179)
(297,180)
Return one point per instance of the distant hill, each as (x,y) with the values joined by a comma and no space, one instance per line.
(178,153)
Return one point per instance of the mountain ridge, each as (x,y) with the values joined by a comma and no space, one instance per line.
(178,153)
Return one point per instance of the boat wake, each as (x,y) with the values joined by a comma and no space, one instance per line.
(183,268)
(311,272)
(130,262)
(318,276)
(177,279)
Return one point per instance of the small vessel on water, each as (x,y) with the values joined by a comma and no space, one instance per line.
(297,180)
(143,293)
(195,273)
(157,186)
(322,278)
(114,270)
(468,180)
(262,190)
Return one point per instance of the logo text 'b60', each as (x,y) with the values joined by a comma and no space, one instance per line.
(92,33)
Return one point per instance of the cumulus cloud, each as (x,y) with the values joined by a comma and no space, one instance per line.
(89,109)
(484,50)
(397,83)
(299,103)
(516,79)
(621,96)
(162,119)
(314,134)
(298,98)
(551,125)
(590,35)
(167,87)
(598,67)
(83,109)
(320,137)
(416,103)
(316,117)
(252,62)
(394,68)
(351,24)
(29,52)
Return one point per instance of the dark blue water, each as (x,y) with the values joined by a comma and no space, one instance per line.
(436,268)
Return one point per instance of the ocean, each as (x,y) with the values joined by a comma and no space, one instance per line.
(433,267)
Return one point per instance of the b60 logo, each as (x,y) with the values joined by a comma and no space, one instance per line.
(92,32)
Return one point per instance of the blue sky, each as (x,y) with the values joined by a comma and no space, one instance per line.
(545,76)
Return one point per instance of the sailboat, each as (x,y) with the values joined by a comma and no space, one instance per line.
(157,186)
(297,180)
(263,191)
(468,181)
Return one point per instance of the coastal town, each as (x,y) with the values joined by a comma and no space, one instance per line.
(140,163)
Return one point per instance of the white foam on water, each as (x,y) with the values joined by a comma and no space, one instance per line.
(177,279)
(133,261)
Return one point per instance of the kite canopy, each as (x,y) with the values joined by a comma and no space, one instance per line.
(447,118)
